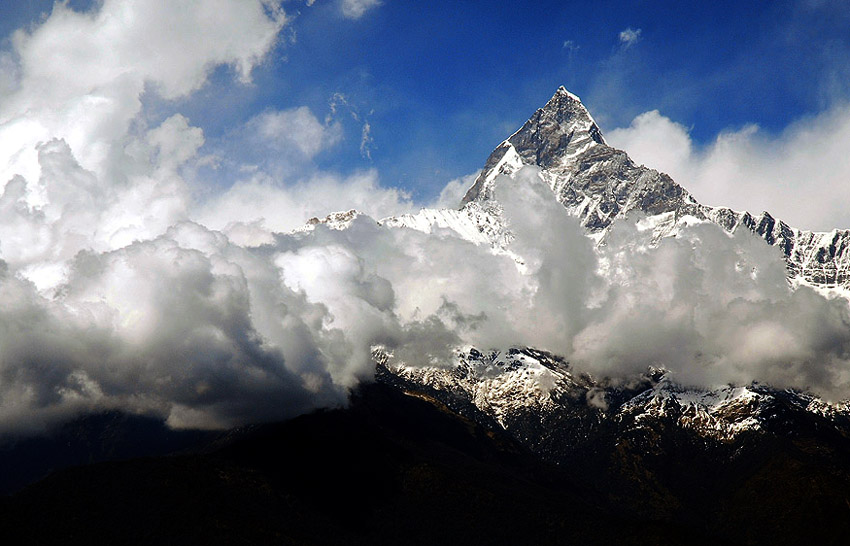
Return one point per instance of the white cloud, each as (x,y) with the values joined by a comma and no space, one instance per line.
(340,103)
(191,326)
(176,56)
(354,9)
(176,141)
(366,140)
(260,201)
(656,141)
(747,169)
(9,73)
(297,128)
(715,309)
(81,74)
(134,307)
(87,172)
(453,192)
(629,37)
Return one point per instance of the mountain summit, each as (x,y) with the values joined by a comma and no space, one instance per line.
(556,133)
(601,186)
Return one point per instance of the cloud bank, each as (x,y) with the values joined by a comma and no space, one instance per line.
(748,169)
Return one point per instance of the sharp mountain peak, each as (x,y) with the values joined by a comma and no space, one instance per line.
(550,139)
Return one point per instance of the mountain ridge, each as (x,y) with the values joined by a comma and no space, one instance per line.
(598,183)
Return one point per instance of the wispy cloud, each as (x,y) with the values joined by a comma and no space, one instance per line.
(354,9)
(366,141)
(629,37)
(339,102)
(296,128)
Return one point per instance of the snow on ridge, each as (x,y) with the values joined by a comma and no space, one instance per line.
(499,383)
(426,220)
(335,220)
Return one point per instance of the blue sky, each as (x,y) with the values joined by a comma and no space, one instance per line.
(448,80)
(441,83)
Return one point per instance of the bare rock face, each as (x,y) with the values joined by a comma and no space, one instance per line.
(554,135)
(592,180)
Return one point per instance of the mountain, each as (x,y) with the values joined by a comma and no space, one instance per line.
(93,438)
(496,446)
(399,467)
(735,458)
(389,469)
(599,184)
(665,451)
(565,416)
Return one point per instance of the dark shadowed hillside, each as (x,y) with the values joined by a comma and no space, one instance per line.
(392,469)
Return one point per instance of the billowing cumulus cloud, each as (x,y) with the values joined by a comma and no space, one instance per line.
(127,281)
(82,74)
(749,170)
(714,308)
(453,192)
(260,201)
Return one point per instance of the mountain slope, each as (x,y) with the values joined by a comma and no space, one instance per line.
(649,441)
(741,463)
(391,469)
(401,467)
(521,389)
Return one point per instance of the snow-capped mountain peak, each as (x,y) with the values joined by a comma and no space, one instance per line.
(550,139)
(599,184)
